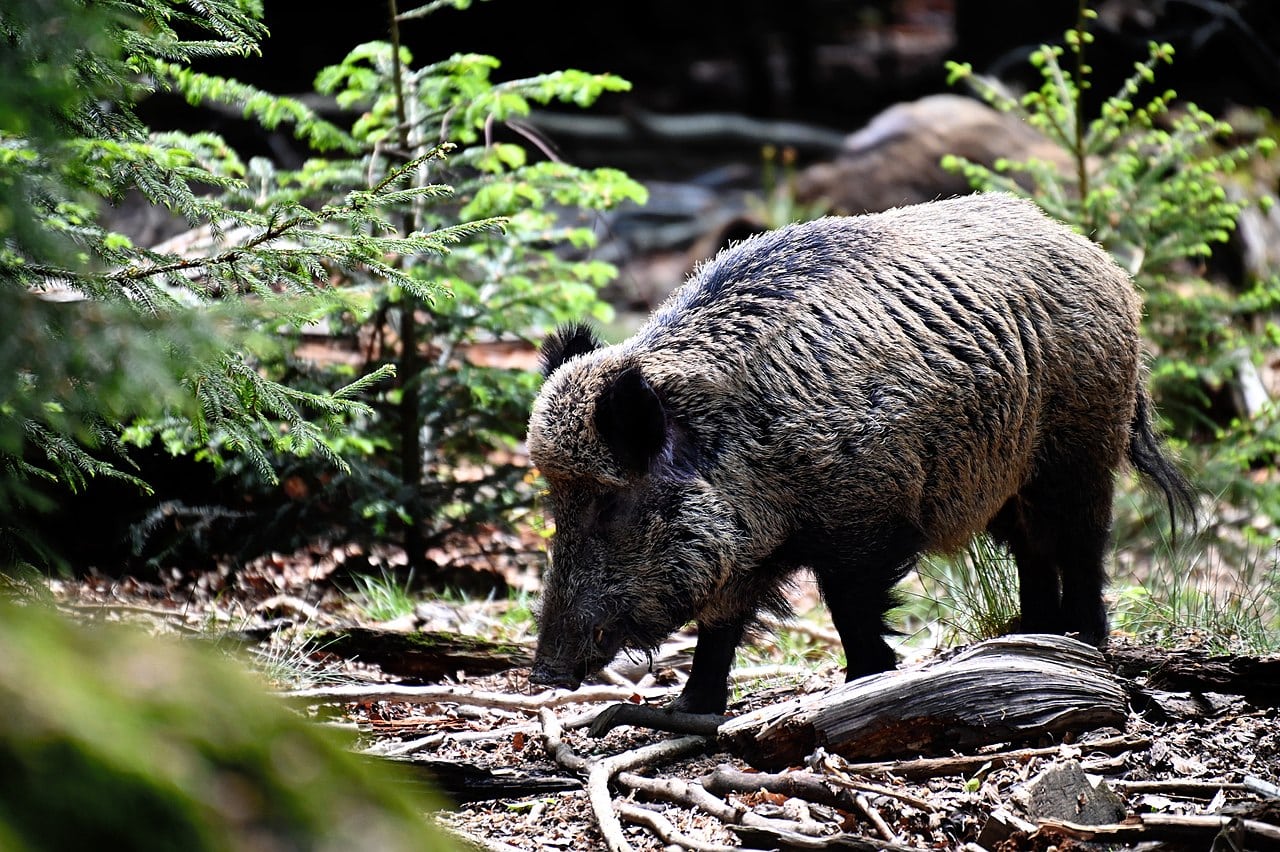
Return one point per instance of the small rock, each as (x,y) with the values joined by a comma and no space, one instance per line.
(1064,792)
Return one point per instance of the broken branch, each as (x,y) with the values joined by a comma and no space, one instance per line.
(665,831)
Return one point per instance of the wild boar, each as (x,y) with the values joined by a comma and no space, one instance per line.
(842,395)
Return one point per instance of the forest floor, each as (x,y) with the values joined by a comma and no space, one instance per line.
(1193,765)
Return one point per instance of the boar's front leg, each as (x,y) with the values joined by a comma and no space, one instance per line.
(859,591)
(707,690)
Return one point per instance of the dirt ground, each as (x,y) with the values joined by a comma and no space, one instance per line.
(1186,769)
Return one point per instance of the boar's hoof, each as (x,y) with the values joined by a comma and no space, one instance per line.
(700,703)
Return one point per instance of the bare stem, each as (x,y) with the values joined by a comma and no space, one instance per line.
(410,365)
(1081,157)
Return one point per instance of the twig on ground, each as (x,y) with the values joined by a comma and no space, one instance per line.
(665,831)
(880,790)
(800,784)
(432,740)
(617,679)
(555,747)
(876,820)
(775,839)
(601,771)
(601,803)
(1177,786)
(832,769)
(177,619)
(1162,826)
(932,767)
(694,795)
(462,695)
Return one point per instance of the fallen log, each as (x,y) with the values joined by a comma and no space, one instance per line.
(1256,679)
(1009,689)
(464,782)
(424,656)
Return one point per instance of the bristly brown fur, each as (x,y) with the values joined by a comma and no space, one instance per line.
(843,395)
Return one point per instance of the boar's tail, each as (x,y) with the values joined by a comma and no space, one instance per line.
(1148,456)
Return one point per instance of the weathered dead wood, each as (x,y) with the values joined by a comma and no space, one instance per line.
(1257,679)
(1002,690)
(1064,791)
(423,655)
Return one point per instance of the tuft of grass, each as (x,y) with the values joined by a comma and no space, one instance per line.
(963,597)
(1199,597)
(517,619)
(778,645)
(384,597)
(1221,595)
(294,662)
(501,619)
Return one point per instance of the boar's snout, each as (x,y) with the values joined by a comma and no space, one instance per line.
(569,651)
(550,674)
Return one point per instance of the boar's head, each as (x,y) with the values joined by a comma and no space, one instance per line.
(642,541)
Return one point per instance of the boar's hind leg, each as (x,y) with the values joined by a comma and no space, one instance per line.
(1058,529)
(1083,536)
(707,690)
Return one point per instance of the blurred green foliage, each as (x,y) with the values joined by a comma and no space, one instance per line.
(114,739)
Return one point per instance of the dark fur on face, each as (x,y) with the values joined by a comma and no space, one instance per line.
(842,395)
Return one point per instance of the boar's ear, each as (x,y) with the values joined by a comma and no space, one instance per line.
(567,341)
(631,420)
